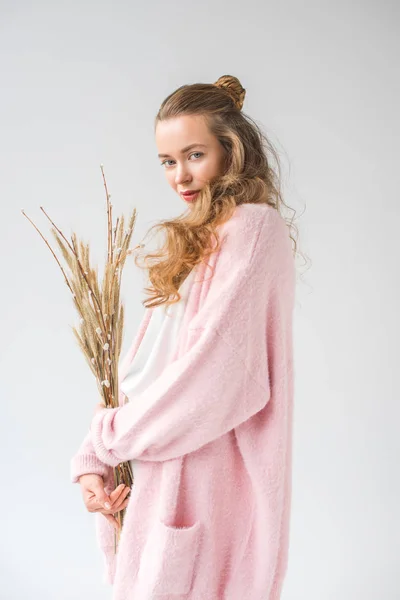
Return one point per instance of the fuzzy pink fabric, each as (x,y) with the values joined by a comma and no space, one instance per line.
(209,513)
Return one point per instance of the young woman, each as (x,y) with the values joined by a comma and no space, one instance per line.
(209,376)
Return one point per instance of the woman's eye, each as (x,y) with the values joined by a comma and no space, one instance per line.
(169,160)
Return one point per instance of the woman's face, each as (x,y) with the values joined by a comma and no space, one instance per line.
(189,153)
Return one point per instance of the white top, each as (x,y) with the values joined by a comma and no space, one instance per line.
(157,344)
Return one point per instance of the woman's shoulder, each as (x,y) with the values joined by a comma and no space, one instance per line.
(252,217)
(254,225)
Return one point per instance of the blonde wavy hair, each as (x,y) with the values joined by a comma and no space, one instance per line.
(251,174)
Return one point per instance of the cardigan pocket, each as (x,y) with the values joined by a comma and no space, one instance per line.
(168,559)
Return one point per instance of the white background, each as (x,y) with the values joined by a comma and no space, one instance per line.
(81,83)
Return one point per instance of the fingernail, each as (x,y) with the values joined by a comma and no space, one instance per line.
(107,505)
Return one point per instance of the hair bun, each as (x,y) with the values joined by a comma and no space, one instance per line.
(233,87)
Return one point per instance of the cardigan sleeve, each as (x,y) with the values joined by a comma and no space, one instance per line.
(197,398)
(222,378)
(86,461)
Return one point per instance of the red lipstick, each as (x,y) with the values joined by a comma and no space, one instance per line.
(189,195)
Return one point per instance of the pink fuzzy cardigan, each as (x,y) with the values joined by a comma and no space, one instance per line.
(209,513)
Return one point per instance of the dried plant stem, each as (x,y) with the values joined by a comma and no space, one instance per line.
(115,229)
(109,218)
(51,250)
(98,313)
(74,251)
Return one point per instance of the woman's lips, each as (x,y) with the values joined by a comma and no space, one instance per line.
(189,197)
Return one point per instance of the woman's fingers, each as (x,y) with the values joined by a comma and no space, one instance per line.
(116,505)
(111,520)
(116,494)
(113,498)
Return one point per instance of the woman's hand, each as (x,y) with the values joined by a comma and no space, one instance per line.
(96,499)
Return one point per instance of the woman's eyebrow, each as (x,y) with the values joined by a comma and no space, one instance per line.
(183,150)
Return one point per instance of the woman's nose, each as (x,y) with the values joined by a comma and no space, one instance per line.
(181,175)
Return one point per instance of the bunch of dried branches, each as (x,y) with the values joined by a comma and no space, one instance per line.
(100,309)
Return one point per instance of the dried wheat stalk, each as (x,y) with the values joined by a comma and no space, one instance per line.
(100,309)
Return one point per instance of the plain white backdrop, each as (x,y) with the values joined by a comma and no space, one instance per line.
(81,83)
